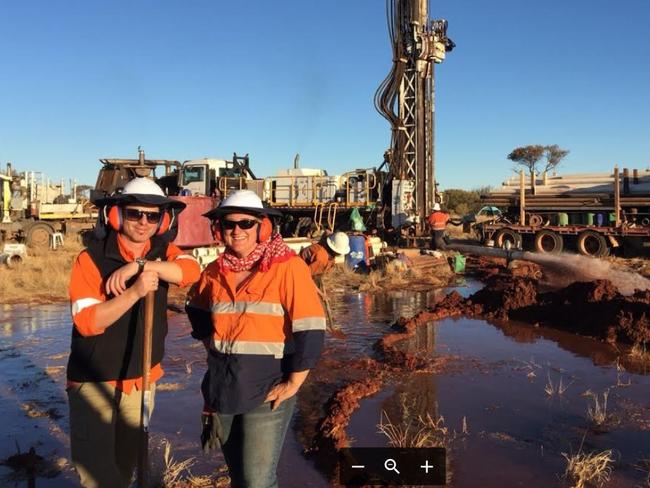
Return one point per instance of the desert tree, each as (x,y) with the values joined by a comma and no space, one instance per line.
(554,155)
(531,157)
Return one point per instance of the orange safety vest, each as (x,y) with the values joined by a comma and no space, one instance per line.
(438,220)
(261,317)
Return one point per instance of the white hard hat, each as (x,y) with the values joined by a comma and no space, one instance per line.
(241,201)
(143,191)
(339,242)
(142,186)
(436,207)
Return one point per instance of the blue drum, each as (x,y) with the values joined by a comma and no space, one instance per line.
(357,256)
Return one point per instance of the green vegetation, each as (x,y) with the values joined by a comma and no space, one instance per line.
(530,156)
(463,202)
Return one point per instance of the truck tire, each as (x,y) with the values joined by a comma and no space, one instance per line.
(38,235)
(592,243)
(548,242)
(507,235)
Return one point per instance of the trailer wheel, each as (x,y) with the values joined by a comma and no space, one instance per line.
(592,243)
(38,235)
(548,242)
(506,235)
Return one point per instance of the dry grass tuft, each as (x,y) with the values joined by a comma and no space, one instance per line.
(170,386)
(584,470)
(597,412)
(425,432)
(174,472)
(43,275)
(556,389)
(639,352)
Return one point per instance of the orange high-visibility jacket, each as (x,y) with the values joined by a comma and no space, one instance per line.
(438,220)
(317,258)
(86,291)
(271,326)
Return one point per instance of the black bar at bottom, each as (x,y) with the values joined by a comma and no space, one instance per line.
(392,466)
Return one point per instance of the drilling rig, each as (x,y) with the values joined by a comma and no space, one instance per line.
(406,99)
(394,199)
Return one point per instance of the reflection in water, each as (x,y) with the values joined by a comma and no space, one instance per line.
(496,378)
(511,420)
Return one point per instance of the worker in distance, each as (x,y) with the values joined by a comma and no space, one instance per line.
(257,311)
(130,256)
(320,256)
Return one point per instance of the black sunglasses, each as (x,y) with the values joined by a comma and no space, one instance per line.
(244,224)
(134,215)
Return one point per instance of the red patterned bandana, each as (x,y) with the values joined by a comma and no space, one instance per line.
(265,253)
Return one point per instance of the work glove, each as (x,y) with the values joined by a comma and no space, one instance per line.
(209,438)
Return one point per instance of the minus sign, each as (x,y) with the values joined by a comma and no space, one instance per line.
(358,466)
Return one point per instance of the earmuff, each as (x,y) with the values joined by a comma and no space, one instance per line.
(113,218)
(264,230)
(166,221)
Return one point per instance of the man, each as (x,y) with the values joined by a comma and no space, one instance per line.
(437,222)
(130,256)
(320,257)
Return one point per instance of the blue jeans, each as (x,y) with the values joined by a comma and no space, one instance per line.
(252,442)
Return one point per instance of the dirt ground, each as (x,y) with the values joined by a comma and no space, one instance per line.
(518,291)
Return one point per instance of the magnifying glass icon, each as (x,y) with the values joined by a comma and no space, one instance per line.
(391,465)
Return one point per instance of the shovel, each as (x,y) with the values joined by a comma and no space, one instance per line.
(145,415)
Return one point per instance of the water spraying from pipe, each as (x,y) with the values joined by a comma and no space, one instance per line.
(564,269)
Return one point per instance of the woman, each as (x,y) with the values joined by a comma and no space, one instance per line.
(257,311)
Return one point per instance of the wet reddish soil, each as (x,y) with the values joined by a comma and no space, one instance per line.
(382,361)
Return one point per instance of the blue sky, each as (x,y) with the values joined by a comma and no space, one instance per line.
(87,79)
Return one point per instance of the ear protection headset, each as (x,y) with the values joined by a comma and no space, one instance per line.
(113,218)
(264,230)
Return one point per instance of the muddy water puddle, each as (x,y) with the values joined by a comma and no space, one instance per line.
(510,420)
(513,399)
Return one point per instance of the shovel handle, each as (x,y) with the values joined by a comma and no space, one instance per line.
(143,458)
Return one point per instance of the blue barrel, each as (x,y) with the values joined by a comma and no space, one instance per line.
(600,219)
(357,254)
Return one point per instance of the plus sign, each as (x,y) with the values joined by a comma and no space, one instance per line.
(426,466)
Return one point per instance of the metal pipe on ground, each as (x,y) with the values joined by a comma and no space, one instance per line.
(495,252)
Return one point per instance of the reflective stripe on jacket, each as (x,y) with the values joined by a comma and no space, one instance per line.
(271,326)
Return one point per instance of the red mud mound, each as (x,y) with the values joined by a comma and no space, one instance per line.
(501,295)
(340,408)
(591,308)
(594,309)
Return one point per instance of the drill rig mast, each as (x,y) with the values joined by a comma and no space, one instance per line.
(406,99)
